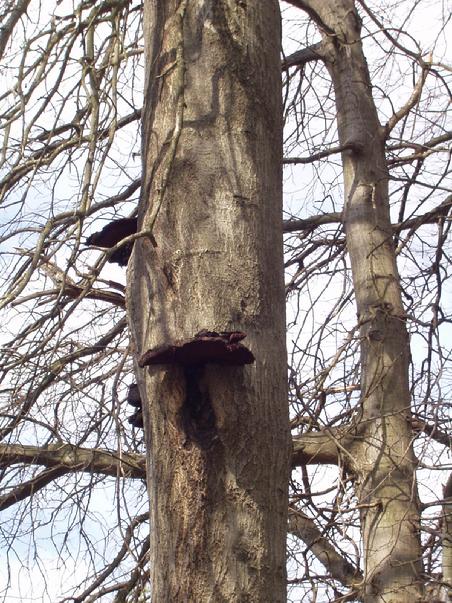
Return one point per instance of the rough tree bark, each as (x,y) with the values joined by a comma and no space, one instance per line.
(212,197)
(384,463)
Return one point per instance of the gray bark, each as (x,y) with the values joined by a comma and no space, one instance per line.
(384,463)
(447,542)
(212,196)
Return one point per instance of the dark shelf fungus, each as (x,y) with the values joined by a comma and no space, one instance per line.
(136,420)
(133,396)
(134,399)
(111,235)
(206,347)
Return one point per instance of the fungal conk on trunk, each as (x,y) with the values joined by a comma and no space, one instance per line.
(111,235)
(134,399)
(192,355)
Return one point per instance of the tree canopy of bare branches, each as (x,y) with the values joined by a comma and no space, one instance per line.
(366,97)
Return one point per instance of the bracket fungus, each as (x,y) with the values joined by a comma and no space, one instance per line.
(111,234)
(134,399)
(206,347)
(197,416)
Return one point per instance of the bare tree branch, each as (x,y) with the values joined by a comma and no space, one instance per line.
(301,526)
(301,57)
(351,146)
(123,551)
(69,458)
(436,434)
(411,102)
(30,487)
(7,27)
(313,222)
(55,369)
(320,447)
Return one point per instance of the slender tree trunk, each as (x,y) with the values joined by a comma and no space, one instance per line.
(217,465)
(384,461)
(447,543)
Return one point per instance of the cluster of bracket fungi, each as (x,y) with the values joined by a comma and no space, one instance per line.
(134,399)
(206,347)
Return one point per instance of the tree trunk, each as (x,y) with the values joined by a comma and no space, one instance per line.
(217,437)
(384,461)
(446,589)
